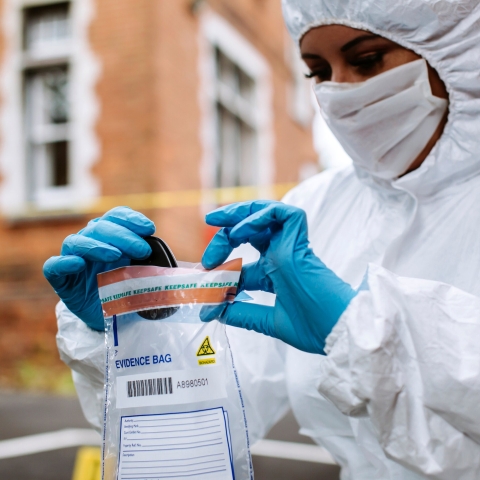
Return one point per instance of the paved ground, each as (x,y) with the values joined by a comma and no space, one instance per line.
(22,414)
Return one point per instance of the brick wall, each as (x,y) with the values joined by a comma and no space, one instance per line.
(149,134)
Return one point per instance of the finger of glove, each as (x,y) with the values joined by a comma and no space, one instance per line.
(131,220)
(253,278)
(90,249)
(211,312)
(261,240)
(250,316)
(234,213)
(271,217)
(56,269)
(218,250)
(128,242)
(93,316)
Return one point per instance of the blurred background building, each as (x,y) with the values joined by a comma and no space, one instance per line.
(169,106)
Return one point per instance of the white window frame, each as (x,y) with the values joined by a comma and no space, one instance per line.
(238,164)
(15,199)
(216,32)
(300,96)
(38,136)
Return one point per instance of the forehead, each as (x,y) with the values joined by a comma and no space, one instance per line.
(332,36)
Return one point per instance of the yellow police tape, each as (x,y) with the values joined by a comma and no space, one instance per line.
(87,464)
(176,198)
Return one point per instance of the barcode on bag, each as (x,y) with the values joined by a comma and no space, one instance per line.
(150,386)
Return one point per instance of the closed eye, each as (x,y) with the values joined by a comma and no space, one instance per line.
(322,74)
(366,63)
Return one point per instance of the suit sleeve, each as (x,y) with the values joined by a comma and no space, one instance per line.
(83,350)
(406,354)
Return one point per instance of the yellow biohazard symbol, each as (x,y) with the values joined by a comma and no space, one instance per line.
(205,348)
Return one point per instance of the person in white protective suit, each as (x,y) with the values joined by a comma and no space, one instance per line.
(397,397)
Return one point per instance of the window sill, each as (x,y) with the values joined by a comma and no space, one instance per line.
(44,216)
(39,62)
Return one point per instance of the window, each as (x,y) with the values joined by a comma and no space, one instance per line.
(49,108)
(46,101)
(235,98)
(236,159)
(47,30)
(300,94)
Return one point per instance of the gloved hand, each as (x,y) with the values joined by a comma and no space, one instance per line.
(310,297)
(104,244)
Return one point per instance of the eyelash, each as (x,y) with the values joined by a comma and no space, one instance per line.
(364,64)
(368,61)
(316,73)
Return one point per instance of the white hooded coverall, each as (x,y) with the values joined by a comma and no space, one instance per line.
(398,395)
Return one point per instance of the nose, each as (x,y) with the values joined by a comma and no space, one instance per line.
(341,74)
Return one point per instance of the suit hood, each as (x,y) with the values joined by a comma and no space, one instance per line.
(444,32)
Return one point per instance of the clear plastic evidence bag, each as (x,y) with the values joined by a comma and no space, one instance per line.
(173,405)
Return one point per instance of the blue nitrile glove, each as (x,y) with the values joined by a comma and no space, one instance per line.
(310,297)
(104,244)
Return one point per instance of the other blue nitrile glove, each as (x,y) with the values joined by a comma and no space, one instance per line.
(310,297)
(104,244)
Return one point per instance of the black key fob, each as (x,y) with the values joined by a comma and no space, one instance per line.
(161,256)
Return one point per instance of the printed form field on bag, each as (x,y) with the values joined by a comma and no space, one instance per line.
(177,445)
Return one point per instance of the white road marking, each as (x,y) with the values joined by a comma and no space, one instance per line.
(77,437)
(301,452)
(45,442)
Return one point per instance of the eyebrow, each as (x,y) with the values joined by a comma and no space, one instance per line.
(348,46)
(310,55)
(356,41)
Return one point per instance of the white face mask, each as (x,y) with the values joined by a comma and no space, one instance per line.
(385,122)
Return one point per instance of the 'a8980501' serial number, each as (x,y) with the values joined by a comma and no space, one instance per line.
(198,382)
